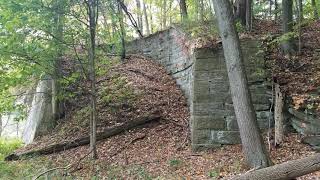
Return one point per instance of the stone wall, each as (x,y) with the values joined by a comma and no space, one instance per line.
(201,73)
(212,115)
(39,117)
(171,49)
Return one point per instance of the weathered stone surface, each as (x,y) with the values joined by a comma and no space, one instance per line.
(209,122)
(304,123)
(202,75)
(225,137)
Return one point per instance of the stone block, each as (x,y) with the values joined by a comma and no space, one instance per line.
(201,136)
(231,123)
(208,122)
(225,137)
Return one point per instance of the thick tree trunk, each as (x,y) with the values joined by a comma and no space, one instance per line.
(252,143)
(146,19)
(287,170)
(287,26)
(55,148)
(92,9)
(278,115)
(315,10)
(183,9)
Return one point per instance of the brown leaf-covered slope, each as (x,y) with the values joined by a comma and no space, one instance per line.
(299,75)
(160,149)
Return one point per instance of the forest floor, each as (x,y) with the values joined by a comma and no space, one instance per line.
(162,149)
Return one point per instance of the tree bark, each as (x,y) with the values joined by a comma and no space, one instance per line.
(276,8)
(0,125)
(123,33)
(286,170)
(278,115)
(55,148)
(183,9)
(287,26)
(201,4)
(92,10)
(300,9)
(252,143)
(132,20)
(240,13)
(164,14)
(315,10)
(139,15)
(248,15)
(56,102)
(146,19)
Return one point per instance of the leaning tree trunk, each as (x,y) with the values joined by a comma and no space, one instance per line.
(254,149)
(287,26)
(315,9)
(278,116)
(276,8)
(286,170)
(183,9)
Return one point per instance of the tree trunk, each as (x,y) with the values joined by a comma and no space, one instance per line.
(315,9)
(252,143)
(286,170)
(164,14)
(248,15)
(201,4)
(287,26)
(55,148)
(183,9)
(0,125)
(132,20)
(92,10)
(240,13)
(146,19)
(56,102)
(278,115)
(123,34)
(300,9)
(276,8)
(139,15)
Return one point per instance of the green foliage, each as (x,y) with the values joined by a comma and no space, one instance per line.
(200,29)
(240,28)
(214,173)
(117,91)
(285,37)
(175,163)
(7,146)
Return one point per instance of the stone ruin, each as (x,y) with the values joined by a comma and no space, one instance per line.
(202,75)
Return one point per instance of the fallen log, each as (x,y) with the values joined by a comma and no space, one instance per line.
(286,170)
(54,148)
